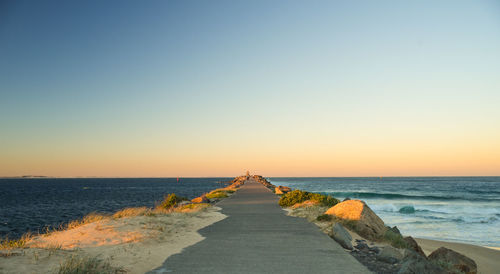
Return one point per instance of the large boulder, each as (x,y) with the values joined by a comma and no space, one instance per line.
(456,261)
(414,263)
(282,189)
(413,246)
(390,255)
(202,199)
(366,222)
(341,236)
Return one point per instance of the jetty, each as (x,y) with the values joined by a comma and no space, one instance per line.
(258,237)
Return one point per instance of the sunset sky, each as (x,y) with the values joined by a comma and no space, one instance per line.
(281,88)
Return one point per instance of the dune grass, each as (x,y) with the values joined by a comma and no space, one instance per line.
(132,212)
(89,218)
(167,206)
(7,243)
(217,194)
(171,200)
(87,264)
(192,207)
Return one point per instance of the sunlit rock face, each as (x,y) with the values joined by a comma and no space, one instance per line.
(282,189)
(366,222)
(202,199)
(307,203)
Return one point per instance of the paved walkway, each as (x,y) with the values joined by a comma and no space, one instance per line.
(257,237)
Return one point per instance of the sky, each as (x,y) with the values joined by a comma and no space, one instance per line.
(279,88)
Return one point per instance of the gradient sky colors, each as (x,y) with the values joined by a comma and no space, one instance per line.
(282,88)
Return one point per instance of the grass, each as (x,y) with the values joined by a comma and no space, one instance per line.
(193,207)
(9,253)
(298,196)
(324,218)
(171,200)
(217,194)
(89,218)
(132,212)
(87,264)
(395,239)
(7,243)
(166,207)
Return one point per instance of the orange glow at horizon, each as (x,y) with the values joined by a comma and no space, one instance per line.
(262,156)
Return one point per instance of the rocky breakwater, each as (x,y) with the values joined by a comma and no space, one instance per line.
(264,181)
(388,251)
(279,190)
(361,232)
(220,193)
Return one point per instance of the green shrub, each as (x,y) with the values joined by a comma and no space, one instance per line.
(324,218)
(293,197)
(299,196)
(395,239)
(171,200)
(324,200)
(217,194)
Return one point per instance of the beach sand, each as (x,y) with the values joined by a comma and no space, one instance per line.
(135,244)
(487,259)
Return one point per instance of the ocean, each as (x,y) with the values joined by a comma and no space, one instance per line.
(457,209)
(38,203)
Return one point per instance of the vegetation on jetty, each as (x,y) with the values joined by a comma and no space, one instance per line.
(298,196)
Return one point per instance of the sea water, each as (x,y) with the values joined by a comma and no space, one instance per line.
(35,204)
(458,209)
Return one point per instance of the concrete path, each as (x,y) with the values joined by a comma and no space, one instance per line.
(257,237)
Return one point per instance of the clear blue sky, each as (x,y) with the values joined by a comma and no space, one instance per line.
(167,88)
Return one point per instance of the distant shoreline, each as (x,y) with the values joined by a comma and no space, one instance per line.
(281,177)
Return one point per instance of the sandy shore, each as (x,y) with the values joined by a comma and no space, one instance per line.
(487,259)
(134,244)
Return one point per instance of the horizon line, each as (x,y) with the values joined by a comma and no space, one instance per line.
(200,177)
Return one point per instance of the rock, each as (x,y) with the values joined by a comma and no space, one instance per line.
(362,246)
(341,236)
(307,203)
(346,199)
(390,255)
(413,245)
(282,189)
(414,263)
(202,199)
(367,225)
(457,261)
(374,249)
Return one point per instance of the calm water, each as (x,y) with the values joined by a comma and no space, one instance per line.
(460,209)
(33,204)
